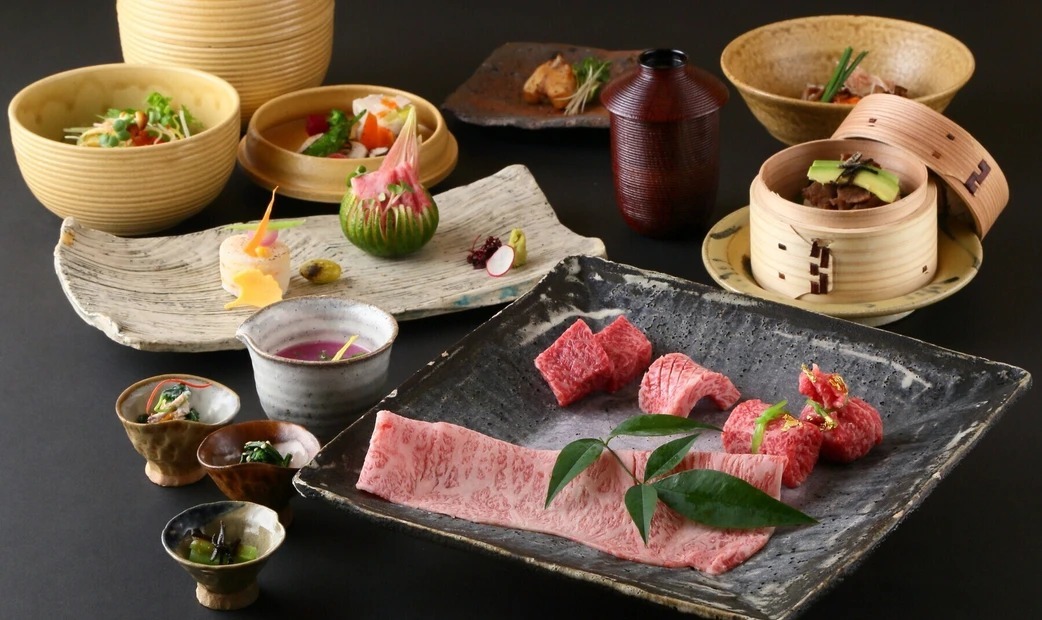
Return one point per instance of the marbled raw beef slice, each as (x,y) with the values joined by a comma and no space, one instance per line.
(456,471)
(674,383)
(799,442)
(629,350)
(575,364)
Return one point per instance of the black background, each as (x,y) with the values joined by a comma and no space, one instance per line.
(80,523)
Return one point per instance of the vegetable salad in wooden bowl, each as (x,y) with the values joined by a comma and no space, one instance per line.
(308,142)
(126,149)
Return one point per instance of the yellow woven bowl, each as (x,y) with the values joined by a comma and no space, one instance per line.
(771,65)
(124,191)
(264,49)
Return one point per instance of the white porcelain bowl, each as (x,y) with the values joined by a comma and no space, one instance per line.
(323,396)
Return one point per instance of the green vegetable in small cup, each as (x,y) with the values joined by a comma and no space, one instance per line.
(264,452)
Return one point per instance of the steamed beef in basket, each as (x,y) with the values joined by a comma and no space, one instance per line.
(798,442)
(850,427)
(674,383)
(451,470)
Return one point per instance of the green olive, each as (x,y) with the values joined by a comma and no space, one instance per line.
(320,271)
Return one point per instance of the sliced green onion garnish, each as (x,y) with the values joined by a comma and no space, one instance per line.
(272,225)
(765,418)
(830,422)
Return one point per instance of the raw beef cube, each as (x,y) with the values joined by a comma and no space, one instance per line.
(851,427)
(797,441)
(857,428)
(828,390)
(452,470)
(629,350)
(674,383)
(574,365)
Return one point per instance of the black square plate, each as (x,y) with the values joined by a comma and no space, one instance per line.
(936,405)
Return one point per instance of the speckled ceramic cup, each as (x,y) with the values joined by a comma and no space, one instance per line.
(228,586)
(169,447)
(322,396)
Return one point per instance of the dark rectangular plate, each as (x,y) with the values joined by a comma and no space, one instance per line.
(492,95)
(936,405)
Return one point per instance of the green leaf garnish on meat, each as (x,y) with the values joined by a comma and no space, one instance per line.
(572,461)
(717,499)
(654,425)
(710,497)
(641,500)
(667,456)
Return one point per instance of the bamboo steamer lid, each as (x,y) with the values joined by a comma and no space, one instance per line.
(944,147)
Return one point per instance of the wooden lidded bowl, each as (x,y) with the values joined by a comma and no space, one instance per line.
(264,49)
(814,254)
(771,65)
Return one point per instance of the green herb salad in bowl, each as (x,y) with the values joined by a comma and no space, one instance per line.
(188,118)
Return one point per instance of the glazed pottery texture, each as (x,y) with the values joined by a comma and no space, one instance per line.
(159,197)
(229,586)
(665,143)
(170,447)
(323,396)
(771,65)
(262,483)
(269,153)
(264,49)
(829,256)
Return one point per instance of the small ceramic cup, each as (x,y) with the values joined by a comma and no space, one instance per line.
(170,447)
(263,483)
(323,396)
(227,586)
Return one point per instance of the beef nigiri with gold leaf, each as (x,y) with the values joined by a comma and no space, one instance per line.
(387,212)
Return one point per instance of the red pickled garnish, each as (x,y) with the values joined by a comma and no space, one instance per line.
(316,124)
(479,255)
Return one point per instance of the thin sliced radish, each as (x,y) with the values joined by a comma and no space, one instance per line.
(500,262)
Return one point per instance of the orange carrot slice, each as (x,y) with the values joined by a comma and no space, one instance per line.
(374,135)
(253,244)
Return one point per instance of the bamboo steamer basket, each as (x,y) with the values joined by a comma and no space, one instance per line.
(883,252)
(974,184)
(828,256)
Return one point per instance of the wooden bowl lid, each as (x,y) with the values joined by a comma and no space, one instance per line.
(946,149)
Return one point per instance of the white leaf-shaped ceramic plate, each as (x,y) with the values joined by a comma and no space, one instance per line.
(164,293)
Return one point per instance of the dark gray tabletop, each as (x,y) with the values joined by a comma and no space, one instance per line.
(80,524)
